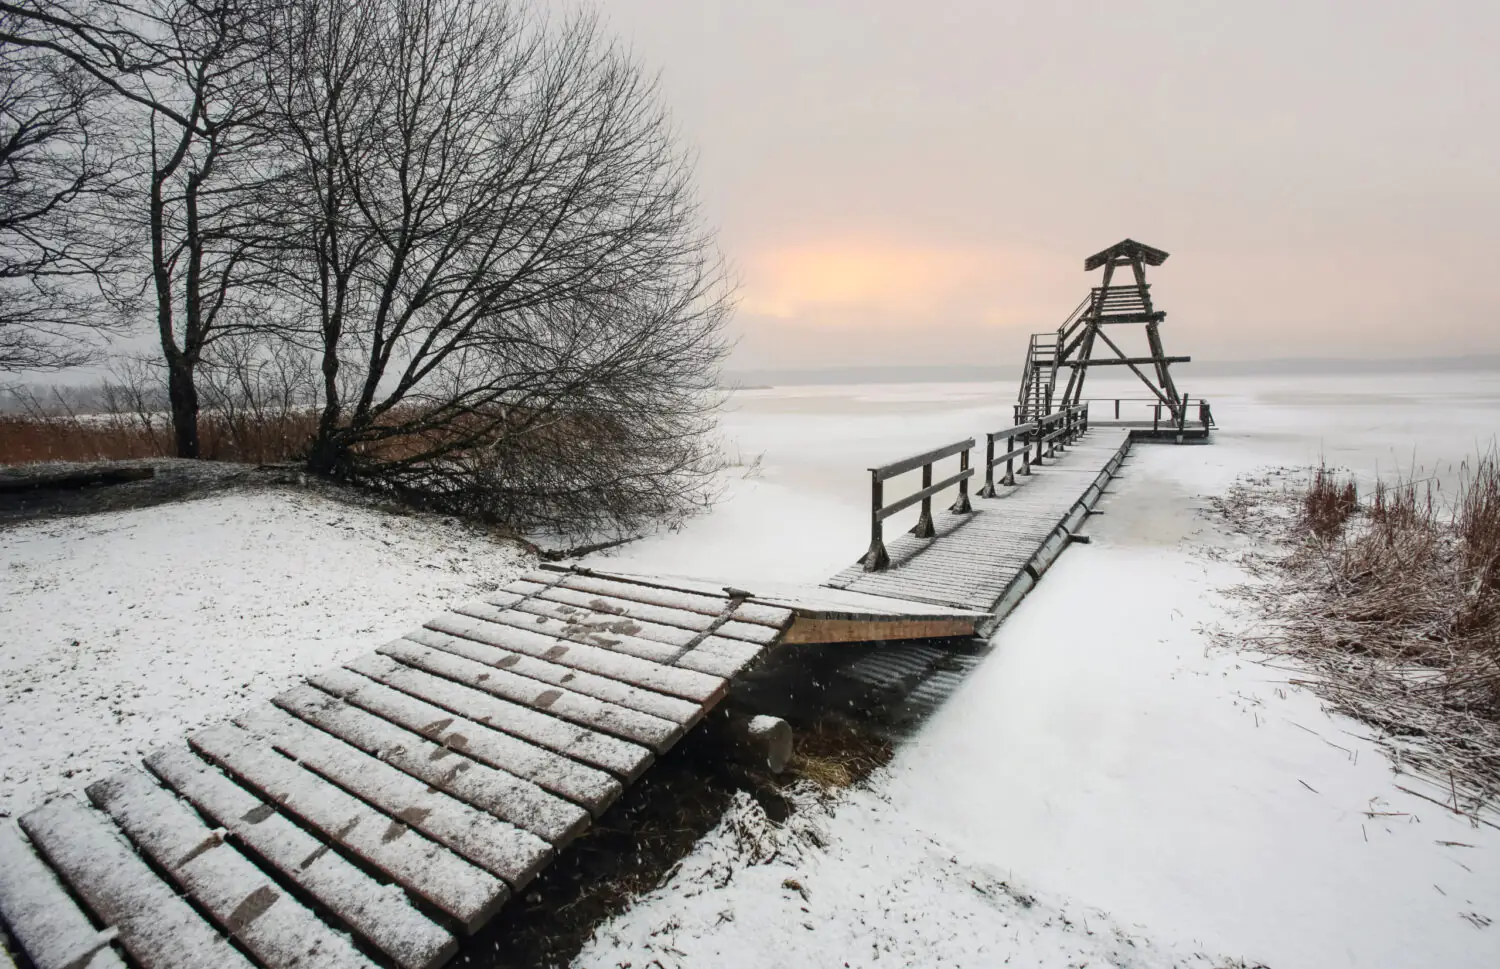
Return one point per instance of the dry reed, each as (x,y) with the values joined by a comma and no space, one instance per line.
(1395,606)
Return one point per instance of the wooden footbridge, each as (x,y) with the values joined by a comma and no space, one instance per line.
(380,812)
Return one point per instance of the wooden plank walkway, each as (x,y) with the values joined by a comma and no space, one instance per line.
(379,812)
(987,558)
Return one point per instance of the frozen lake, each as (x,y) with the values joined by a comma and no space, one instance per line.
(802,515)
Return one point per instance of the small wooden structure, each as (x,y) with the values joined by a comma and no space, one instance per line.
(1072,348)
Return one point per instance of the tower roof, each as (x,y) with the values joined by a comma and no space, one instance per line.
(1128,248)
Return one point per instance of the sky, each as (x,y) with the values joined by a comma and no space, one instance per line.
(903,183)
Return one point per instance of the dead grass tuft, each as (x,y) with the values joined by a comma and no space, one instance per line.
(835,753)
(1328,503)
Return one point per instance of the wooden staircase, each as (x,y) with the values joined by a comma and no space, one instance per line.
(1039,379)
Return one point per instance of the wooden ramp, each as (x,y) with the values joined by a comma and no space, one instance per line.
(987,558)
(380,812)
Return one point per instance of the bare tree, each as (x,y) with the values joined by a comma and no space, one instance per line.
(497,255)
(193,73)
(57,258)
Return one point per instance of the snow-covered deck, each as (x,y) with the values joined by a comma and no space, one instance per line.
(453,763)
(988,558)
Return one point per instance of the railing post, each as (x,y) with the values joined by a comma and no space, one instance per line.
(1010,462)
(1117,408)
(1156,419)
(876,559)
(923,528)
(962,506)
(988,491)
(1026,451)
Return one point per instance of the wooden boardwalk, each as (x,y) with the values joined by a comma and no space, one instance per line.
(379,812)
(987,558)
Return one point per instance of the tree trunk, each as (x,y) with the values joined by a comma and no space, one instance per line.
(182,391)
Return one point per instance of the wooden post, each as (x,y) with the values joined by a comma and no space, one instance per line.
(1025,453)
(1117,408)
(1156,419)
(923,527)
(1010,461)
(988,491)
(962,506)
(876,559)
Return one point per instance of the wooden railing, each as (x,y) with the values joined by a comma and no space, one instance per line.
(1160,414)
(1023,432)
(876,558)
(1042,436)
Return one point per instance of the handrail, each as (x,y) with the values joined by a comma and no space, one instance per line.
(1046,436)
(917,460)
(1074,421)
(877,558)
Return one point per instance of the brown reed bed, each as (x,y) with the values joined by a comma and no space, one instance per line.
(1393,604)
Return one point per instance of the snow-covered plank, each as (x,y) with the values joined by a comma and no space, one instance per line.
(277,929)
(157,928)
(436,685)
(52,931)
(606,636)
(721,657)
(660,593)
(497,846)
(457,662)
(475,623)
(619,615)
(564,622)
(6,962)
(593,789)
(421,866)
(708,604)
(383,917)
(679,711)
(502,794)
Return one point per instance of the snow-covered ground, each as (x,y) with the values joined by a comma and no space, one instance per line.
(1102,757)
(119,631)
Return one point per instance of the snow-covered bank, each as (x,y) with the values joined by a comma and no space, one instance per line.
(1102,755)
(121,630)
(858,885)
(1127,764)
